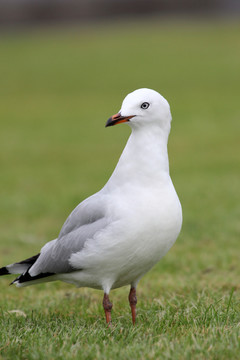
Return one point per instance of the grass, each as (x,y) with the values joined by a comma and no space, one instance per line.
(58,87)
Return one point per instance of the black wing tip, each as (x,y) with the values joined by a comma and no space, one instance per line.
(30,260)
(4,271)
(27,277)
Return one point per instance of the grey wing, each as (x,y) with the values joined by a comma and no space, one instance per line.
(84,222)
(87,212)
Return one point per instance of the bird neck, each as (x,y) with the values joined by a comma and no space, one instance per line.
(145,156)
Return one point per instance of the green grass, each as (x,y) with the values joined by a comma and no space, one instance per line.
(58,87)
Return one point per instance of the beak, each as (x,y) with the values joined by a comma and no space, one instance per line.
(117,119)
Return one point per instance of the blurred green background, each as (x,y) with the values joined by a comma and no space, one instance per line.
(58,88)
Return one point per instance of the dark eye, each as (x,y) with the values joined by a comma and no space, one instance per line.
(145,105)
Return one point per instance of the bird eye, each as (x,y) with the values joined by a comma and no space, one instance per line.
(145,105)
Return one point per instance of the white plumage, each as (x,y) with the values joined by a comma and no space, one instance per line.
(115,236)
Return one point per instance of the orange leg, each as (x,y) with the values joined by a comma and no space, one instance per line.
(133,302)
(107,305)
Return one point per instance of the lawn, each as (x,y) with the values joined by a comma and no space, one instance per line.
(58,88)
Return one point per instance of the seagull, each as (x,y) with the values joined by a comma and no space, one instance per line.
(117,235)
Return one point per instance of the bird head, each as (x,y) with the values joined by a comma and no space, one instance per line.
(143,107)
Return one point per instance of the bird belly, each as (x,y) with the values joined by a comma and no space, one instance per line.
(139,260)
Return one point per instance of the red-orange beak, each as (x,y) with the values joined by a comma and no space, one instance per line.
(118,119)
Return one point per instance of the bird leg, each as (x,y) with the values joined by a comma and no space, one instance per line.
(133,302)
(107,305)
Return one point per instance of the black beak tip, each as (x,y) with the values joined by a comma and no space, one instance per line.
(110,122)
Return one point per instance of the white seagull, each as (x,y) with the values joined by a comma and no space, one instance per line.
(115,236)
